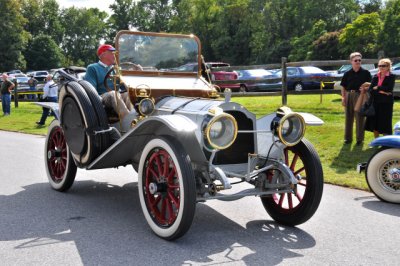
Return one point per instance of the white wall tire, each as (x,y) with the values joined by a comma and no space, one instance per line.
(167,189)
(60,166)
(384,184)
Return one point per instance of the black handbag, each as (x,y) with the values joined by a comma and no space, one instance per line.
(368,108)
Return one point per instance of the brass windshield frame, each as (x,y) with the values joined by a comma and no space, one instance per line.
(158,73)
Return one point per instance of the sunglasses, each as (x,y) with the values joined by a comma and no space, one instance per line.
(357,60)
(382,65)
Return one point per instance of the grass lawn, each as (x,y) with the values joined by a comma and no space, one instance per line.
(338,160)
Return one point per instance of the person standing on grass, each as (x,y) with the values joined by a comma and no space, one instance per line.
(32,82)
(50,94)
(353,82)
(6,87)
(381,92)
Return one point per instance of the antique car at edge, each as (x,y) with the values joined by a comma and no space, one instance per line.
(186,144)
(382,171)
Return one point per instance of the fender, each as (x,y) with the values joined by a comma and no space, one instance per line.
(128,149)
(53,106)
(392,141)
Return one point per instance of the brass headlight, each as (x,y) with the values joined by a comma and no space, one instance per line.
(291,129)
(146,107)
(221,131)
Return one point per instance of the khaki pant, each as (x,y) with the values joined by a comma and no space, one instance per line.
(351,99)
(121,104)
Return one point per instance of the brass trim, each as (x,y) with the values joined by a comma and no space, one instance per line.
(146,99)
(215,119)
(279,130)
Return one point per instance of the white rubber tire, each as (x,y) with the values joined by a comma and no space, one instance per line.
(377,168)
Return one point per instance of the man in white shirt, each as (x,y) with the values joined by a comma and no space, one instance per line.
(50,94)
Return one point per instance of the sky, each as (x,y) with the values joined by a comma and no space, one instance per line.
(100,4)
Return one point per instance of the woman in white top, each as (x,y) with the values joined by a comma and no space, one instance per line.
(50,94)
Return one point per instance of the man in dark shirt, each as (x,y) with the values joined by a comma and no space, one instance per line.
(6,87)
(352,82)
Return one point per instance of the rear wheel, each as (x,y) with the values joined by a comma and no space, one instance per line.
(297,207)
(60,166)
(167,188)
(298,87)
(383,174)
(243,88)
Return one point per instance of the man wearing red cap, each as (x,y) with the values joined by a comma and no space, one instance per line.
(96,73)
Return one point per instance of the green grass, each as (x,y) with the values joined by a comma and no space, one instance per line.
(338,160)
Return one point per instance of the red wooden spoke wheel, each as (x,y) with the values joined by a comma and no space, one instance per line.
(60,166)
(167,188)
(296,207)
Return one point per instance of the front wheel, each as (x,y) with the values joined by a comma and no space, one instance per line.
(167,188)
(60,166)
(243,88)
(300,205)
(383,174)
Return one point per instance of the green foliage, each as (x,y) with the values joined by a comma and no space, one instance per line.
(84,28)
(152,15)
(240,32)
(390,34)
(13,37)
(121,19)
(326,47)
(43,53)
(361,35)
(302,46)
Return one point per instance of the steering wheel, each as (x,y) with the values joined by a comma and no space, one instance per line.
(105,83)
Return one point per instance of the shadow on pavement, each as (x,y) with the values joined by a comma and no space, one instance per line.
(106,225)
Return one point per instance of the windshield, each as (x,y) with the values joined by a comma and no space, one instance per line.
(138,51)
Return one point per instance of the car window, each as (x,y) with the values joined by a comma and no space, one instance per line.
(41,73)
(291,71)
(260,72)
(312,70)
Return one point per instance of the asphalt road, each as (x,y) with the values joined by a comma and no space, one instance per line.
(99,222)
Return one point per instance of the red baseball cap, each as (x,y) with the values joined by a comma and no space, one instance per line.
(104,47)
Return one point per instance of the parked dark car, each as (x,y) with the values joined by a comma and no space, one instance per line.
(306,78)
(257,74)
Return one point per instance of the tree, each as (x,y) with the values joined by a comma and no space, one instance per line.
(302,46)
(43,17)
(390,34)
(84,29)
(361,35)
(12,35)
(121,19)
(326,47)
(152,15)
(44,53)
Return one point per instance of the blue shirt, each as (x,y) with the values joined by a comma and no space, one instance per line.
(95,74)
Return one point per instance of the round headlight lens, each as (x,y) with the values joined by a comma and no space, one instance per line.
(221,131)
(146,107)
(291,129)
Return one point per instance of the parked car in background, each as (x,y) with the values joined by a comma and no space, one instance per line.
(223,75)
(257,74)
(395,70)
(39,75)
(17,71)
(214,75)
(344,68)
(306,78)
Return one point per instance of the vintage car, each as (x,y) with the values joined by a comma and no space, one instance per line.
(186,144)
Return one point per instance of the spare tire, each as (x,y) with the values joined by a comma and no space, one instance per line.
(102,117)
(79,121)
